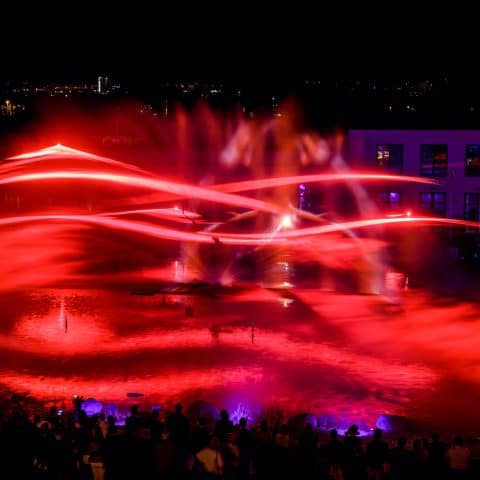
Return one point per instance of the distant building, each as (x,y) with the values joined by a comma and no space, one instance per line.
(9,108)
(104,85)
(452,157)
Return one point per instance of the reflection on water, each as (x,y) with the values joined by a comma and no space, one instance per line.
(349,355)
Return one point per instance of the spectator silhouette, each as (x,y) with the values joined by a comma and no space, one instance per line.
(400,461)
(458,456)
(263,451)
(354,456)
(178,427)
(438,464)
(132,422)
(282,459)
(211,460)
(377,453)
(307,451)
(163,453)
(334,454)
(179,432)
(420,459)
(244,441)
(200,435)
(224,426)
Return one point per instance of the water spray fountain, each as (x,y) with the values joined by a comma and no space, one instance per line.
(230,235)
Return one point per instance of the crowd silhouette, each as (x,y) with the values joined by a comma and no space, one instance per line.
(153,445)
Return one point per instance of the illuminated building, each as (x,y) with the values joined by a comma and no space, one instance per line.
(451,157)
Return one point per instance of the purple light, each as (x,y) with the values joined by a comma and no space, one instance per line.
(92,406)
(394,196)
(241,411)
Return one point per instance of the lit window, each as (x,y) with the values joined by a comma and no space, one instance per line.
(433,160)
(390,157)
(472,160)
(472,208)
(434,203)
(389,200)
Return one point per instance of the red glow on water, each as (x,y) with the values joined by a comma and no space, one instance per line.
(379,362)
(166,386)
(229,360)
(41,335)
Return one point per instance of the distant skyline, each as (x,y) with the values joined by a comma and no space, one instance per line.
(439,101)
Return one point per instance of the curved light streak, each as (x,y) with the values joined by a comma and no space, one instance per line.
(280,238)
(373,223)
(337,227)
(251,185)
(63,152)
(144,229)
(171,214)
(167,212)
(181,189)
(317,178)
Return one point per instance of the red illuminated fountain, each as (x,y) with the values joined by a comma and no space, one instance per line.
(241,288)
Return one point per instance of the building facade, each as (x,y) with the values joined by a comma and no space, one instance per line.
(450,157)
